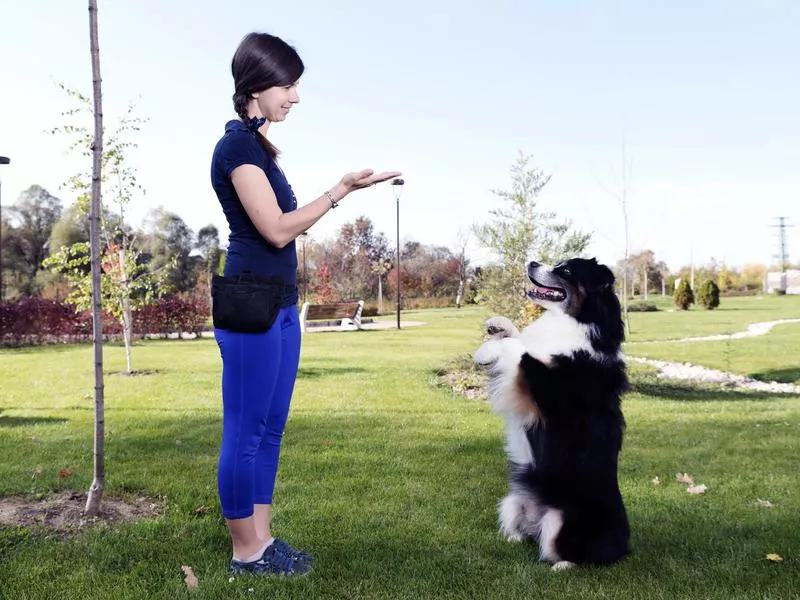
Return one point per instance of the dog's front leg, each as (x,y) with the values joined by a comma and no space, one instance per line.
(498,327)
(540,382)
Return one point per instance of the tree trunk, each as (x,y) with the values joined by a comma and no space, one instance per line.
(380,294)
(459,293)
(127,317)
(644,282)
(95,494)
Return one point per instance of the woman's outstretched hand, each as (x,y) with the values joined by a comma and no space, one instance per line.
(362,179)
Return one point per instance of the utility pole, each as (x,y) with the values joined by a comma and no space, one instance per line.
(783,254)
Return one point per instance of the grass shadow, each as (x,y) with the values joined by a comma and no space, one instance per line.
(787,375)
(6,421)
(686,392)
(316,372)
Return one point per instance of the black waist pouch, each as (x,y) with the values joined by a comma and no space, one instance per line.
(246,303)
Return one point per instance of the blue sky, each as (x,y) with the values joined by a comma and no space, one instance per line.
(705,95)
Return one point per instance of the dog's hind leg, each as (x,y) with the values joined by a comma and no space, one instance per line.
(549,527)
(518,516)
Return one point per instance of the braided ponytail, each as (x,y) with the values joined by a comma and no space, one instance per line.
(240,102)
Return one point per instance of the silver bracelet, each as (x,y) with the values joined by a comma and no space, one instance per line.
(333,202)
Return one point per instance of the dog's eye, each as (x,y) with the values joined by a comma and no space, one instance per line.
(566,271)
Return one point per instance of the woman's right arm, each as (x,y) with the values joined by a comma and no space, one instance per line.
(280,228)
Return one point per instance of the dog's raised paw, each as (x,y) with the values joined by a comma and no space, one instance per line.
(500,327)
(487,354)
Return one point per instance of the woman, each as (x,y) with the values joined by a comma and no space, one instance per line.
(260,363)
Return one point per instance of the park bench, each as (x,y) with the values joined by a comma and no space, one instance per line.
(348,313)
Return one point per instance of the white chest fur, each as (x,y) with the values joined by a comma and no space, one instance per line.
(555,333)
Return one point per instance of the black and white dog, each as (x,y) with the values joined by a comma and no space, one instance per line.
(558,386)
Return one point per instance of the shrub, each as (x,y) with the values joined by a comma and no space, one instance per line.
(708,295)
(684,297)
(33,320)
(642,307)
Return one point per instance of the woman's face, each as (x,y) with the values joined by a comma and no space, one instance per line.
(276,102)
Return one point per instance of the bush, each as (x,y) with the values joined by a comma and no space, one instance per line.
(34,321)
(708,296)
(642,307)
(684,296)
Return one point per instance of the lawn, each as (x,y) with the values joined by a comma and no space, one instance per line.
(390,479)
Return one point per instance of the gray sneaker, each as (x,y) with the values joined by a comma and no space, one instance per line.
(272,562)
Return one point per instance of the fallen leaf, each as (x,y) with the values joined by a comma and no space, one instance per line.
(190,579)
(201,510)
(655,481)
(774,557)
(764,503)
(697,489)
(64,473)
(684,478)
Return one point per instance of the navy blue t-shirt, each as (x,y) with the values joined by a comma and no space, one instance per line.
(248,251)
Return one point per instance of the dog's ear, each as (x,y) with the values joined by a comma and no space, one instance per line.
(602,277)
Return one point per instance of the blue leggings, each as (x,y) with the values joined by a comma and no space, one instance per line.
(258,375)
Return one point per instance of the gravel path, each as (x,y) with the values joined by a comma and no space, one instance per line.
(689,371)
(670,370)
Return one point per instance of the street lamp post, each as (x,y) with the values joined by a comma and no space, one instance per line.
(397,186)
(4,160)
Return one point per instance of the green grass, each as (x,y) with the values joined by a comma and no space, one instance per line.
(392,481)
(733,314)
(773,357)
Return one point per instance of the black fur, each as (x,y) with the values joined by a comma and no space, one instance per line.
(578,438)
(575,447)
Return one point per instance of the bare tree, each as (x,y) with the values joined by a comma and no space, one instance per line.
(462,240)
(622,198)
(95,494)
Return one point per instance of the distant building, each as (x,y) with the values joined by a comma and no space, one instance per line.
(787,282)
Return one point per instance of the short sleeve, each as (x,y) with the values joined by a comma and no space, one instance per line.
(241,149)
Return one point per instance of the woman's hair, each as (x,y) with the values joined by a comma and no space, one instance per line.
(262,61)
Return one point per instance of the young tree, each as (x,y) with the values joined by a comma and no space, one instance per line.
(519,232)
(125,285)
(95,494)
(462,240)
